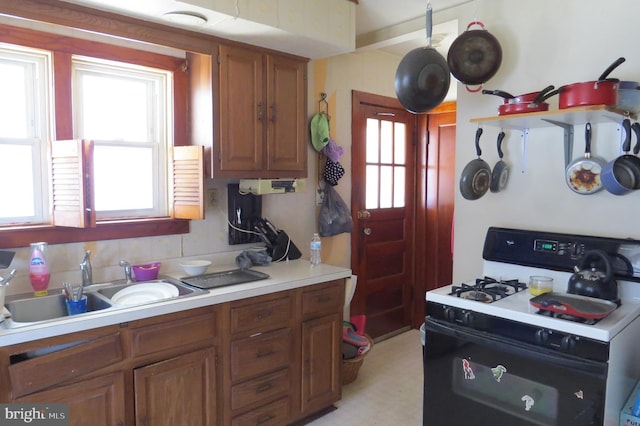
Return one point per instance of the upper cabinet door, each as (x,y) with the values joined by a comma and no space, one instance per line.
(242,109)
(286,93)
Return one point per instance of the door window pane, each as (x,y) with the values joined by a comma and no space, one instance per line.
(386,142)
(373,146)
(372,187)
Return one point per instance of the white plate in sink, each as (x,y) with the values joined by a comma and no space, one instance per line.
(138,294)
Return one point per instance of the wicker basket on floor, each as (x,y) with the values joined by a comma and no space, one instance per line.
(350,367)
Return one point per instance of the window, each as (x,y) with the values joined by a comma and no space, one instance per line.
(23,134)
(123,109)
(89,142)
(386,164)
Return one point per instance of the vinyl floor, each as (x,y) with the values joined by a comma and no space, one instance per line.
(388,389)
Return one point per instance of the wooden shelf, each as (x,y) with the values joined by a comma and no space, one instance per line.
(569,116)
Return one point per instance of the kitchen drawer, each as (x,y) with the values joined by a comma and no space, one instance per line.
(323,299)
(173,333)
(263,314)
(274,414)
(260,389)
(260,354)
(39,372)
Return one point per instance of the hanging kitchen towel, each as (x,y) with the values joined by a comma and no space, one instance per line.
(333,150)
(333,171)
(320,131)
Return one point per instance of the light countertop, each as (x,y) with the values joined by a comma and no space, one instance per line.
(282,276)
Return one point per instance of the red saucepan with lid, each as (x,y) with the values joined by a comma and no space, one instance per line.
(603,91)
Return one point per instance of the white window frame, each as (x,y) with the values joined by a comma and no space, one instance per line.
(160,135)
(37,65)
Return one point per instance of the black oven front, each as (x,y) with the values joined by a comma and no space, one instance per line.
(480,378)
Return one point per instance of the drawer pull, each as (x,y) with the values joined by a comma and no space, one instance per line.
(264,354)
(264,315)
(264,419)
(264,387)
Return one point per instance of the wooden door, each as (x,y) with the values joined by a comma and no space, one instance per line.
(286,117)
(178,391)
(436,187)
(93,402)
(382,201)
(242,109)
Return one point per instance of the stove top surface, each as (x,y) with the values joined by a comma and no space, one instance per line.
(516,307)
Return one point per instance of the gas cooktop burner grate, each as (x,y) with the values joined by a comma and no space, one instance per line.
(487,289)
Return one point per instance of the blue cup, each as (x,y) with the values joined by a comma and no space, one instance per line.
(75,307)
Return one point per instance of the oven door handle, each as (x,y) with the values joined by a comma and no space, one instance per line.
(503,344)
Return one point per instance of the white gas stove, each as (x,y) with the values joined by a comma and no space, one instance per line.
(516,306)
(578,370)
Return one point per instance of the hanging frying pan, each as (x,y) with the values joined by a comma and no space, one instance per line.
(621,175)
(583,175)
(476,175)
(422,79)
(500,172)
(474,56)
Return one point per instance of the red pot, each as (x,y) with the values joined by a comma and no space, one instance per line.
(600,92)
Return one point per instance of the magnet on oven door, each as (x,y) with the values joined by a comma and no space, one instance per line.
(528,402)
(498,371)
(468,372)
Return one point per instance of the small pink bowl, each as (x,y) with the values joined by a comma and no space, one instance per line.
(146,272)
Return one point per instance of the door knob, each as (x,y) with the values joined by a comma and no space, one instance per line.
(367,231)
(364,214)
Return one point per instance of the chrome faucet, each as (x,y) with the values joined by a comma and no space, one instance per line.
(127,270)
(85,267)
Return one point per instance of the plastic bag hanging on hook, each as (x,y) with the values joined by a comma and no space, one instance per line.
(334,216)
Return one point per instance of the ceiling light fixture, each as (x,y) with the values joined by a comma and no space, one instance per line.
(185,18)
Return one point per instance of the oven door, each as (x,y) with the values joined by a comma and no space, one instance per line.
(477,378)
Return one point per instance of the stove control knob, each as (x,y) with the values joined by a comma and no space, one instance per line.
(542,336)
(568,343)
(450,314)
(468,318)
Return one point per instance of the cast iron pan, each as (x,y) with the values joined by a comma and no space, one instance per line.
(500,172)
(422,79)
(476,175)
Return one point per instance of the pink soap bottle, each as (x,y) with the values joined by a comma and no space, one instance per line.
(38,269)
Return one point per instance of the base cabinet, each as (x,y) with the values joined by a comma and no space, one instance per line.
(92,402)
(266,360)
(178,391)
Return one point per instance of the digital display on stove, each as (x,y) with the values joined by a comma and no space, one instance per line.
(545,246)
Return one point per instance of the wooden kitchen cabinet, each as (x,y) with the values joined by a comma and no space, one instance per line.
(93,402)
(178,391)
(321,346)
(261,115)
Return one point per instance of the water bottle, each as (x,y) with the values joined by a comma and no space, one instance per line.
(316,248)
(38,269)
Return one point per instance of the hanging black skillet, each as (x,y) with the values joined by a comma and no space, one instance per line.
(422,79)
(500,172)
(476,175)
(474,56)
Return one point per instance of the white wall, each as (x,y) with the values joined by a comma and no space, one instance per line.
(545,42)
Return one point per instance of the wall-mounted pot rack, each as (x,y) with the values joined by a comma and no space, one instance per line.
(563,118)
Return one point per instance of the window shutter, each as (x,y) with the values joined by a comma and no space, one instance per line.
(72,184)
(187,185)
